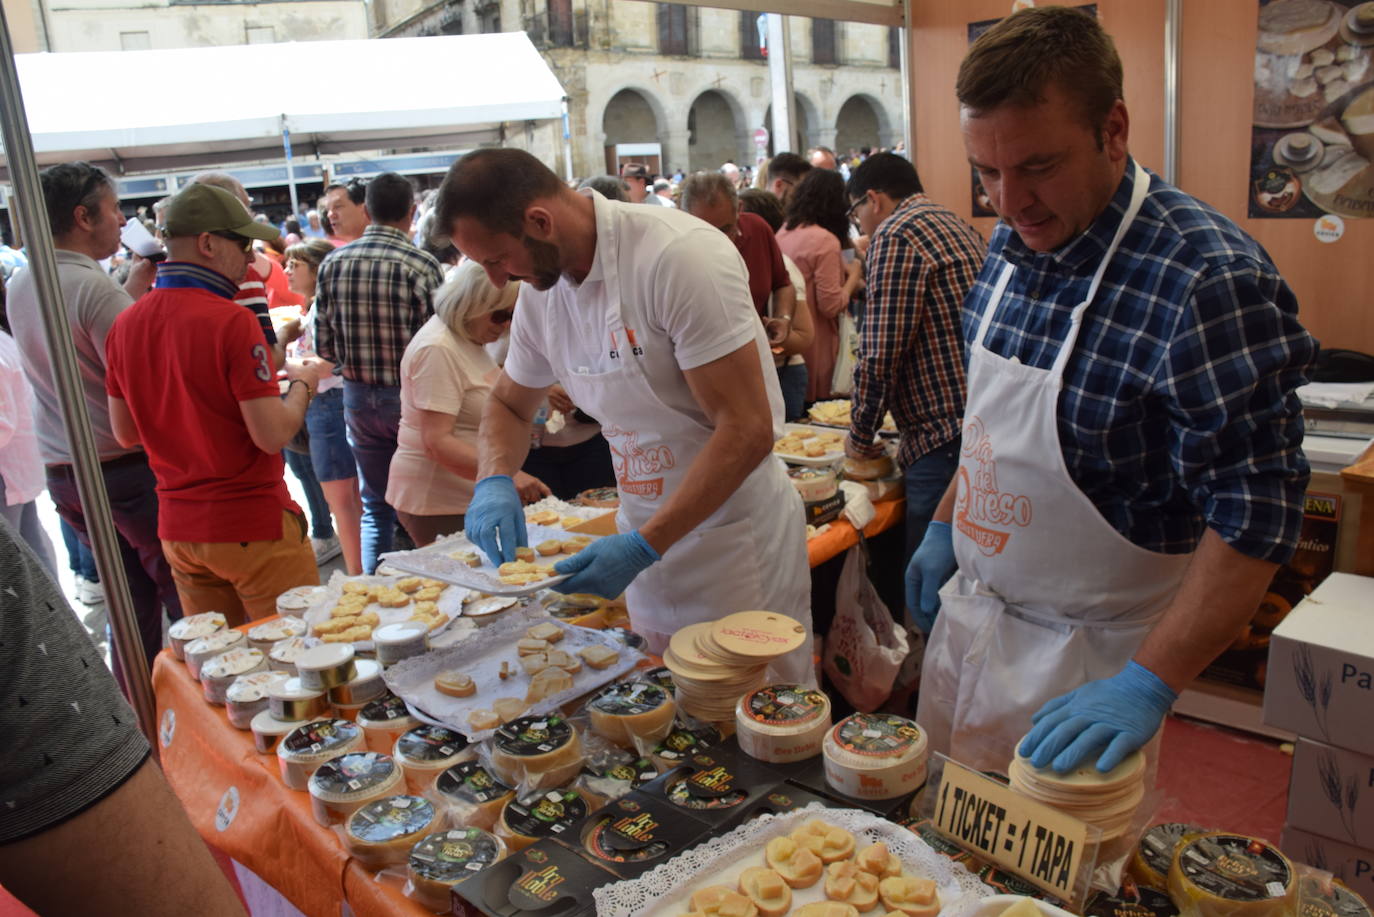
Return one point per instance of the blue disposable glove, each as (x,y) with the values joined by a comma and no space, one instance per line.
(606,566)
(496,519)
(1122,713)
(931,565)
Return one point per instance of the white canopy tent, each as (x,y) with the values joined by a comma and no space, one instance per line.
(187,107)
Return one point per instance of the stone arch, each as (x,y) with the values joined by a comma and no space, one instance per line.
(862,122)
(715,125)
(808,123)
(632,115)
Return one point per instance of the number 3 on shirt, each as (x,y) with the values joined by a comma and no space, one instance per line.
(264,370)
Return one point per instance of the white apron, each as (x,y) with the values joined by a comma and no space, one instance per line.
(1048,595)
(749,554)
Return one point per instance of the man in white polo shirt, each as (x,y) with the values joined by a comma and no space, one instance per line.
(643,315)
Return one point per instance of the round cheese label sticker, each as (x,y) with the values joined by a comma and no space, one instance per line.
(785,705)
(228,809)
(876,734)
(1328,228)
(168,730)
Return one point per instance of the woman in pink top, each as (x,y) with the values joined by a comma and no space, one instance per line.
(814,235)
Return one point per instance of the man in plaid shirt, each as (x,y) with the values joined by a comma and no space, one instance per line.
(372,296)
(921,263)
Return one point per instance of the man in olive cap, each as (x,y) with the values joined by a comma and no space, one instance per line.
(191,379)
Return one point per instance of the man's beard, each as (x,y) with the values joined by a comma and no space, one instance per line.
(546,263)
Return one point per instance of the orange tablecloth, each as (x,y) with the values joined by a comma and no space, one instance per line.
(842,536)
(236,800)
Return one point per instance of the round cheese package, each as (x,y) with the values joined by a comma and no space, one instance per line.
(343,784)
(284,653)
(445,858)
(1131,901)
(193,627)
(266,634)
(543,813)
(875,756)
(221,671)
(365,686)
(306,747)
(290,700)
(1230,875)
(629,710)
(536,751)
(474,797)
(1149,864)
(247,696)
(382,832)
(268,730)
(385,720)
(297,600)
(782,723)
(202,650)
(326,666)
(427,751)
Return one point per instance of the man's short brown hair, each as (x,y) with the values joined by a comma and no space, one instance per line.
(494,187)
(704,188)
(1013,62)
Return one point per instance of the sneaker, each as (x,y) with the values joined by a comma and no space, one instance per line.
(88,592)
(326,549)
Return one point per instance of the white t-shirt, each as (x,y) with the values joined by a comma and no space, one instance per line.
(441,372)
(683,287)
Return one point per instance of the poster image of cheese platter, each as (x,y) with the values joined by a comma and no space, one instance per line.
(1312,149)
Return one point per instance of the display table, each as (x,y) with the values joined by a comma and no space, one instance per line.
(841,536)
(236,800)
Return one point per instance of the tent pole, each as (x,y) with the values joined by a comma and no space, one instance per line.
(28,193)
(784,125)
(1173,24)
(567,143)
(290,169)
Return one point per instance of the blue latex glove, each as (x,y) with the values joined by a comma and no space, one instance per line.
(931,565)
(606,566)
(1122,712)
(495,519)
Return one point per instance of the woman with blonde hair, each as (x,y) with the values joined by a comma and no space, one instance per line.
(446,377)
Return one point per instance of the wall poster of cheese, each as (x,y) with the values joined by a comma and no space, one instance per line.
(1312,143)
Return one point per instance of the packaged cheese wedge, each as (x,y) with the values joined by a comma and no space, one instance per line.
(473,796)
(629,710)
(383,831)
(445,858)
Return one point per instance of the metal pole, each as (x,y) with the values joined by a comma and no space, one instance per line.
(784,99)
(33,217)
(290,169)
(1173,23)
(567,143)
(908,112)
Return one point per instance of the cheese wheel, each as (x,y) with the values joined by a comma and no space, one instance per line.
(308,746)
(445,858)
(1149,863)
(284,653)
(814,483)
(191,628)
(342,785)
(536,751)
(473,794)
(247,696)
(382,832)
(627,710)
(365,686)
(1143,902)
(297,600)
(427,751)
(1318,898)
(875,756)
(326,666)
(220,672)
(268,730)
(289,700)
(200,651)
(1229,875)
(264,635)
(782,723)
(385,720)
(545,813)
(398,641)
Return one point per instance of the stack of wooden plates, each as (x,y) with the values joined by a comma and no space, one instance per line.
(714,663)
(1106,800)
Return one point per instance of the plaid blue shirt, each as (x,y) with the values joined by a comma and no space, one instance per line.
(1178,409)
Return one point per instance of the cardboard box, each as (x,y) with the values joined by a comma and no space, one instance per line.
(1331,793)
(819,512)
(1321,666)
(782,799)
(1244,662)
(1352,865)
(714,785)
(543,880)
(637,832)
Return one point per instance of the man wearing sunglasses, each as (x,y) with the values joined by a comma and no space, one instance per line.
(191,380)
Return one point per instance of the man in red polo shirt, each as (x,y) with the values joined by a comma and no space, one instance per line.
(190,378)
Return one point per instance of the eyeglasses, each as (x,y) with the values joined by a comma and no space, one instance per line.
(852,214)
(242,241)
(502,316)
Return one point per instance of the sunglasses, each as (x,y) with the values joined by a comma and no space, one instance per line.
(242,242)
(502,316)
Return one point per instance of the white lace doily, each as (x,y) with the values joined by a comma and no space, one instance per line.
(481,655)
(450,603)
(664,890)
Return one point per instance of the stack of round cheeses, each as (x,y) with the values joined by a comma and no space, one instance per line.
(1106,800)
(714,663)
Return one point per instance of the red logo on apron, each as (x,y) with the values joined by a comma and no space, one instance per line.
(981,511)
(638,470)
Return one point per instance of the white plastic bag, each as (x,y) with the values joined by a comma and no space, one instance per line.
(865,648)
(842,382)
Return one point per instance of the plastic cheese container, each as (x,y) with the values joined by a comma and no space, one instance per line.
(297,599)
(540,814)
(445,858)
(626,710)
(385,720)
(344,784)
(472,794)
(875,756)
(382,832)
(265,635)
(427,751)
(782,723)
(284,653)
(268,730)
(1230,875)
(365,686)
(536,751)
(191,628)
(308,746)
(221,671)
(247,696)
(203,649)
(326,666)
(402,640)
(289,700)
(1149,864)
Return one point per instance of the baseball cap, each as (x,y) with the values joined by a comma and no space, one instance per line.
(201,208)
(635,170)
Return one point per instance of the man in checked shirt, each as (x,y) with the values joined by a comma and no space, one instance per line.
(1131,472)
(372,295)
(921,263)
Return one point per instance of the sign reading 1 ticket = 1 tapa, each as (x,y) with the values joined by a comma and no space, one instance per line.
(1036,842)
